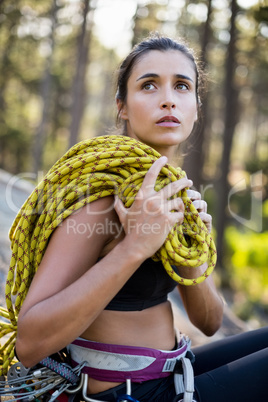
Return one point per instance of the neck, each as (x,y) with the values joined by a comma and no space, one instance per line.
(169,152)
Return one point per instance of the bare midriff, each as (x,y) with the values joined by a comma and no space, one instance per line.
(152,328)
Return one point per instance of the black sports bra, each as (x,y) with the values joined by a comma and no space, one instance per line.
(147,287)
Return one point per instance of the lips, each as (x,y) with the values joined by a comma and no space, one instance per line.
(168,121)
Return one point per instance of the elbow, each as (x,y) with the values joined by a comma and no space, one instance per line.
(211,330)
(28,354)
(27,349)
(214,325)
(213,320)
(210,326)
(25,356)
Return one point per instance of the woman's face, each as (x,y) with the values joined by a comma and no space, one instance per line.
(161,105)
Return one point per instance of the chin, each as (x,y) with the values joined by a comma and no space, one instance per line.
(171,139)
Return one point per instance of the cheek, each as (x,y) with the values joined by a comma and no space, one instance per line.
(137,108)
(192,111)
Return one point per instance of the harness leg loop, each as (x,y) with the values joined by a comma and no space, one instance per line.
(84,390)
(120,398)
(184,383)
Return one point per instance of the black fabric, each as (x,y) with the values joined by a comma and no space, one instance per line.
(234,369)
(147,287)
(160,390)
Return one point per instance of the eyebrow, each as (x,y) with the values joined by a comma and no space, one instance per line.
(153,75)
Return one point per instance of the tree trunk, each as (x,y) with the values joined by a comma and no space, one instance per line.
(231,118)
(45,93)
(78,89)
(5,73)
(194,162)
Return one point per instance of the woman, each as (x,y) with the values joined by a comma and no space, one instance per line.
(100,281)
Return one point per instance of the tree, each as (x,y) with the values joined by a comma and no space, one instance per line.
(148,17)
(194,161)
(8,134)
(78,88)
(230,119)
(45,94)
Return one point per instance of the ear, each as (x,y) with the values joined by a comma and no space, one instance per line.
(122,109)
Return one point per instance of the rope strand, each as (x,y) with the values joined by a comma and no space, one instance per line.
(90,170)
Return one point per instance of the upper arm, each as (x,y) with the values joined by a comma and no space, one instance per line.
(72,249)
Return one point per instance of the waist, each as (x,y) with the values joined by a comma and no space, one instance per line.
(117,363)
(153,327)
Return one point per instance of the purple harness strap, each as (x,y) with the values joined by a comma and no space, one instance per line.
(116,363)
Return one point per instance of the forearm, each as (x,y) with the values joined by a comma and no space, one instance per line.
(202,302)
(51,324)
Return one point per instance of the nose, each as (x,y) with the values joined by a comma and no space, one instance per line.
(167,100)
(168,105)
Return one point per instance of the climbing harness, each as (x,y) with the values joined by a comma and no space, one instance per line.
(116,363)
(42,384)
(90,170)
(119,363)
(121,398)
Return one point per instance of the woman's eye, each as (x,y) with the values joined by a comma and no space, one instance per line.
(147,86)
(182,85)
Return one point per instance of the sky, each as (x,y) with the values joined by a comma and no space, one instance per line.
(113,23)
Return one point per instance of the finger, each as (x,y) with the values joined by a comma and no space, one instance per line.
(176,204)
(207,220)
(205,217)
(173,188)
(176,217)
(119,208)
(200,205)
(152,174)
(193,195)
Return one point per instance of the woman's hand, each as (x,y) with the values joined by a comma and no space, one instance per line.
(201,207)
(149,219)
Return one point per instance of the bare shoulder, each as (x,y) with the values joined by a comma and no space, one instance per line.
(73,249)
(87,230)
(96,211)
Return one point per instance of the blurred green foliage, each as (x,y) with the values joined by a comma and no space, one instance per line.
(247,267)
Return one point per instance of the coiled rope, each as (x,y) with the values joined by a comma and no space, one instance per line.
(90,170)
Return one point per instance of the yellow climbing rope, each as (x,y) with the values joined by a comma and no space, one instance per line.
(90,170)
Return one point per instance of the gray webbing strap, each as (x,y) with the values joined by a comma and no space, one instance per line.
(184,383)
